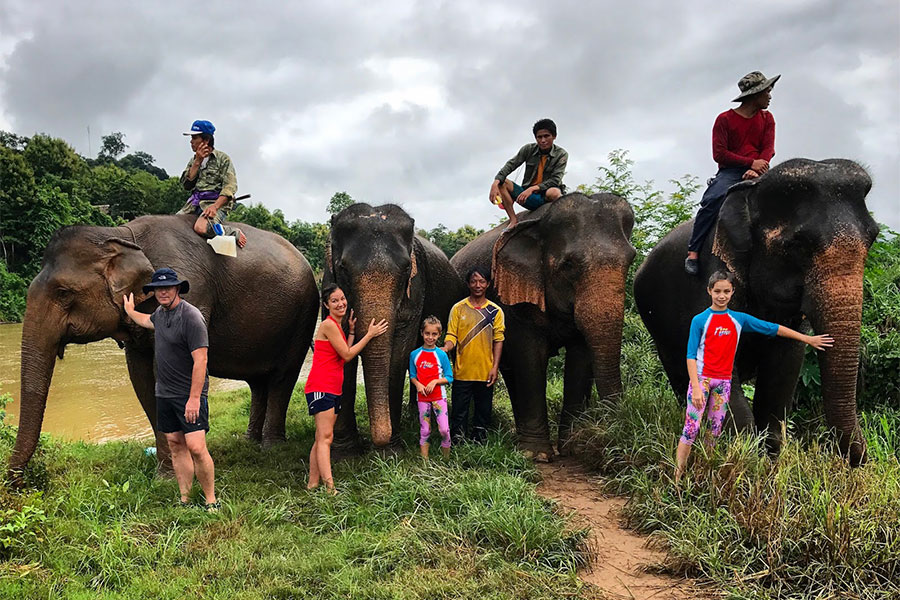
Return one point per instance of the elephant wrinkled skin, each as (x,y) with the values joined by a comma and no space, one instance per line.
(261,309)
(387,272)
(559,276)
(797,240)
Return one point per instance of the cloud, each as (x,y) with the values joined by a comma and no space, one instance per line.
(421,102)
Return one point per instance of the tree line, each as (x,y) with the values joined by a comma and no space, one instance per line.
(45,184)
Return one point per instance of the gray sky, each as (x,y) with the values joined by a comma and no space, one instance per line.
(420,103)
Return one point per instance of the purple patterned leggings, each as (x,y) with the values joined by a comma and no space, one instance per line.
(716,393)
(440,414)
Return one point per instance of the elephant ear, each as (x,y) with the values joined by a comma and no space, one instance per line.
(413,269)
(126,270)
(733,240)
(517,265)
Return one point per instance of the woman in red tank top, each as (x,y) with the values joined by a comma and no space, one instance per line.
(326,378)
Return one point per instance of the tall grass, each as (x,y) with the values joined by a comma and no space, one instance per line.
(99,524)
(801,525)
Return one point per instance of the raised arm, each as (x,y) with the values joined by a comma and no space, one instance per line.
(141,319)
(819,342)
(333,334)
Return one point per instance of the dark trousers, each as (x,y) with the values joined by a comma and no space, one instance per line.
(464,394)
(712,201)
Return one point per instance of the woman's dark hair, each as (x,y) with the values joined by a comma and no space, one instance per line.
(720,276)
(547,124)
(327,291)
(483,271)
(209,139)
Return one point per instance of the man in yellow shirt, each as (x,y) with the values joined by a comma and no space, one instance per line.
(475,329)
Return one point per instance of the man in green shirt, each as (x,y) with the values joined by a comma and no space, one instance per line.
(210,177)
(545,165)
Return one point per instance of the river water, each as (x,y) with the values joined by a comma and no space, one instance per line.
(91,397)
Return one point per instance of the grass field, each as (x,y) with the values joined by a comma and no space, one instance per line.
(98,524)
(95,522)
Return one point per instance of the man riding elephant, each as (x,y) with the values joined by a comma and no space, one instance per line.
(210,177)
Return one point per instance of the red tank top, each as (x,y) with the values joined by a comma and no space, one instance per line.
(327,372)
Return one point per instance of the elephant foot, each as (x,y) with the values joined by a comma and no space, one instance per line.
(253,436)
(346,448)
(271,442)
(539,456)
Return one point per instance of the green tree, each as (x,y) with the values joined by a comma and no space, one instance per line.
(141,161)
(450,241)
(49,156)
(109,185)
(111,146)
(17,193)
(339,201)
(13,141)
(655,214)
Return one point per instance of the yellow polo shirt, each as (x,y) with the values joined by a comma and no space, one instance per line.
(474,331)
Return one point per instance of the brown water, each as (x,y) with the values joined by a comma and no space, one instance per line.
(91,397)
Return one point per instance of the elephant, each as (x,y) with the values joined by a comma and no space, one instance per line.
(387,272)
(796,240)
(261,310)
(559,276)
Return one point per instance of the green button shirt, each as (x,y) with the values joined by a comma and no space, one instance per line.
(218,174)
(530,154)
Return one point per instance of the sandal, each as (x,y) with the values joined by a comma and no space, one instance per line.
(183,504)
(212,507)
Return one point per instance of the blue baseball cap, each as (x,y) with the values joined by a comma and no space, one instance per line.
(198,127)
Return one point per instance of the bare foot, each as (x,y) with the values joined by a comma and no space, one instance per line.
(241,239)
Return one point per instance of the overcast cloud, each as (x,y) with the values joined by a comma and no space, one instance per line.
(420,103)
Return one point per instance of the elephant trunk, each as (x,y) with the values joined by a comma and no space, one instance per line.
(376,299)
(837,281)
(599,314)
(39,350)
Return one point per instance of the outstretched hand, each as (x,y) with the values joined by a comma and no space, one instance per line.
(351,321)
(128,302)
(376,329)
(820,342)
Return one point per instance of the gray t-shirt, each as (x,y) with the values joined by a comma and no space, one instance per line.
(177,333)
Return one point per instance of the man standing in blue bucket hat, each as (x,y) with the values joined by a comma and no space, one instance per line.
(180,345)
(210,177)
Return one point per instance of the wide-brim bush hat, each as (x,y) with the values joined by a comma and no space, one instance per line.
(166,277)
(199,126)
(754,83)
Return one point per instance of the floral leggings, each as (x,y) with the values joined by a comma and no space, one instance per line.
(716,393)
(440,414)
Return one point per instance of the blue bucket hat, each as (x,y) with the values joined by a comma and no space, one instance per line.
(198,127)
(166,277)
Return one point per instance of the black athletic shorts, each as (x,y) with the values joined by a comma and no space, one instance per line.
(170,415)
(319,401)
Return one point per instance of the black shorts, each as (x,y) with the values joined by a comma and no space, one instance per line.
(170,415)
(319,401)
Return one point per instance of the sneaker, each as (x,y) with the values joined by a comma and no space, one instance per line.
(691,266)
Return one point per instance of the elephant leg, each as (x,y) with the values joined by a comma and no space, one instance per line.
(740,417)
(395,399)
(779,368)
(346,434)
(258,392)
(278,395)
(529,403)
(143,380)
(576,391)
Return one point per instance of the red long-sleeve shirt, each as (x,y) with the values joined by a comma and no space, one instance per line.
(738,141)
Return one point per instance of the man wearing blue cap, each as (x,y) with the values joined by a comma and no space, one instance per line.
(210,177)
(180,344)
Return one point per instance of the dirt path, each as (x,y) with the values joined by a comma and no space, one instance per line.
(621,556)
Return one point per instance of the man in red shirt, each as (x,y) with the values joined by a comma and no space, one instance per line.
(743,143)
